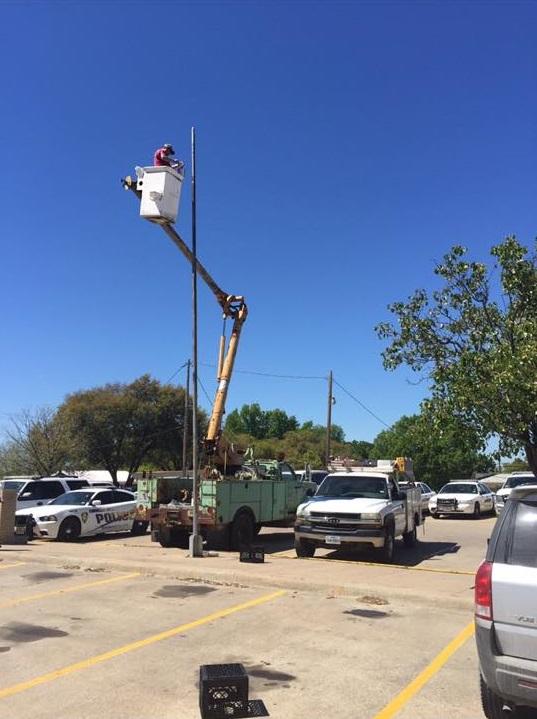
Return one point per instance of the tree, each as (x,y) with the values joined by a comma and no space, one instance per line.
(360,449)
(451,451)
(475,340)
(119,425)
(259,423)
(38,443)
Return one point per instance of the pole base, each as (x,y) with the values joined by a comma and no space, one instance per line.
(195,545)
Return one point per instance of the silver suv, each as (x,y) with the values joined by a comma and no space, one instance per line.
(506,611)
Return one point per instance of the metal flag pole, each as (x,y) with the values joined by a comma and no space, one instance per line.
(195,541)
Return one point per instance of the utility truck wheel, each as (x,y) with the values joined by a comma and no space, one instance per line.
(169,537)
(242,530)
(139,527)
(70,529)
(388,550)
(410,538)
(304,548)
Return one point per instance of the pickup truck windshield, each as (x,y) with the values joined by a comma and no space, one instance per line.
(370,487)
(518,481)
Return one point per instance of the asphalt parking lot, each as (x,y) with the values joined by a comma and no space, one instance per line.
(118,627)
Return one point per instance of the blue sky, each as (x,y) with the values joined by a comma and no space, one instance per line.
(342,148)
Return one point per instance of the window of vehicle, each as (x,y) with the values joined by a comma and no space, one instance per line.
(78,498)
(459,489)
(12,484)
(426,488)
(106,497)
(512,482)
(120,496)
(43,490)
(76,483)
(521,547)
(483,489)
(340,486)
(287,471)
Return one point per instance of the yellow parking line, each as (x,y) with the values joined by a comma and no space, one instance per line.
(8,566)
(395,706)
(77,588)
(92,661)
(378,564)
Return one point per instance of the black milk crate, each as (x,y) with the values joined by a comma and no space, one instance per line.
(223,691)
(256,554)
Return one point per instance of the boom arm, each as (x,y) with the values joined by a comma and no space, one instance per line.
(233,307)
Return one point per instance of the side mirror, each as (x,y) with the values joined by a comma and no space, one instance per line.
(26,495)
(310,492)
(96,503)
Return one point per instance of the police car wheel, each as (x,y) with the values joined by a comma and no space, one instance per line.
(69,529)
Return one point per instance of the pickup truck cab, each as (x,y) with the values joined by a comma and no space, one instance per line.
(363,507)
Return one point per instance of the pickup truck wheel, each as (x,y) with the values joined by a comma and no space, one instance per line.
(242,530)
(304,548)
(477,511)
(410,538)
(388,550)
(69,529)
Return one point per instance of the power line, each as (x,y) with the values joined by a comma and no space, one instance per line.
(209,400)
(370,411)
(176,372)
(269,374)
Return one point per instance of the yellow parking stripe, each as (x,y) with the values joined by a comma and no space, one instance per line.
(99,658)
(395,706)
(8,566)
(68,590)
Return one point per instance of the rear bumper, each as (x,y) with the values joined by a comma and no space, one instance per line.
(370,536)
(511,678)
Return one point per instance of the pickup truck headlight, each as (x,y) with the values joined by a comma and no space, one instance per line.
(370,516)
(48,518)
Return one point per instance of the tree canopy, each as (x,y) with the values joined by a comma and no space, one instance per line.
(475,340)
(262,424)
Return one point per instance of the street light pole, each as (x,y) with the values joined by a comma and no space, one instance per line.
(185,419)
(329,419)
(195,541)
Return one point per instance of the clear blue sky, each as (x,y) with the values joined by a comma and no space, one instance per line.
(342,148)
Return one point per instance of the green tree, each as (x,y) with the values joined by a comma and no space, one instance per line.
(451,451)
(118,426)
(259,423)
(38,443)
(360,449)
(476,343)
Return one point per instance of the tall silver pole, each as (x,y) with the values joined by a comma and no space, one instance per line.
(185,418)
(329,419)
(195,540)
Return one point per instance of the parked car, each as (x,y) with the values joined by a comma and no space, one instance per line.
(462,497)
(316,475)
(506,611)
(84,513)
(37,492)
(516,479)
(426,493)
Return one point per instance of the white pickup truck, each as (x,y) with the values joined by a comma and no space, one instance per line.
(359,507)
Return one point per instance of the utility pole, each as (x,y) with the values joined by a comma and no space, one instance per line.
(185,418)
(329,418)
(195,541)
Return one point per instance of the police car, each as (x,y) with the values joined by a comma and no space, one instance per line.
(85,513)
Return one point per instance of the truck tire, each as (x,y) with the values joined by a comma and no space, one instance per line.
(139,527)
(169,537)
(493,704)
(304,548)
(69,529)
(242,530)
(388,550)
(410,538)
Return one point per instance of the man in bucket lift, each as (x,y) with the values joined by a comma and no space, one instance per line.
(164,158)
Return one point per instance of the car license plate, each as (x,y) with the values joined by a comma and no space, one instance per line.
(331,539)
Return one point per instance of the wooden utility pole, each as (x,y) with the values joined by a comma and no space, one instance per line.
(329,418)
